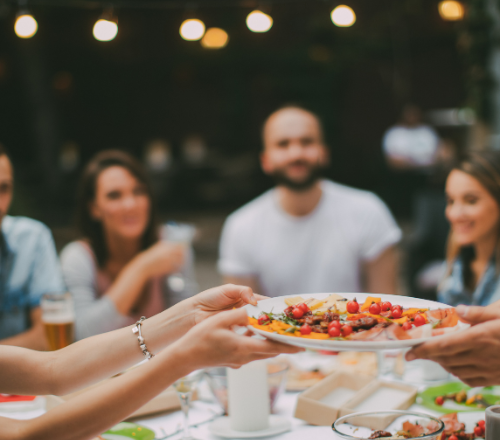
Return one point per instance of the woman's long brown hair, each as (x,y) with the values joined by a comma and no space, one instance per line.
(484,166)
(92,229)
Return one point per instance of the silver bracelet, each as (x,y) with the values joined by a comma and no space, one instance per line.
(142,345)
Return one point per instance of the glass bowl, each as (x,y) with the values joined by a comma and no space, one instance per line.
(360,426)
(276,377)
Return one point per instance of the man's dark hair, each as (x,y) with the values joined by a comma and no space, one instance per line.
(297,106)
(3,151)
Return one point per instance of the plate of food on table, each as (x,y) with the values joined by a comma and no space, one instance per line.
(348,321)
(457,397)
(408,425)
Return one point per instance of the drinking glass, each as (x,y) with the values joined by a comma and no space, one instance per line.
(58,317)
(185,387)
(182,234)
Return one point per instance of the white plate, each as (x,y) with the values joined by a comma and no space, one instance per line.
(277,305)
(221,427)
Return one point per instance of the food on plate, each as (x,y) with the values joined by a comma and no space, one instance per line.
(453,430)
(337,318)
(457,397)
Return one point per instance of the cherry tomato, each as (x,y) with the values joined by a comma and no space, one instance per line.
(419,320)
(385,306)
(482,424)
(346,330)
(478,431)
(306,329)
(439,400)
(263,319)
(352,306)
(334,324)
(297,313)
(374,309)
(396,312)
(407,325)
(334,332)
(452,437)
(304,307)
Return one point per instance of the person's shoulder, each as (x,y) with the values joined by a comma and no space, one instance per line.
(76,249)
(253,210)
(348,194)
(23,226)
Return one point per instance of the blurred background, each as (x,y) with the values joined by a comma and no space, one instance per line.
(192,111)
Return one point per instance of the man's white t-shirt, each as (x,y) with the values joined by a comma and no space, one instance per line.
(320,252)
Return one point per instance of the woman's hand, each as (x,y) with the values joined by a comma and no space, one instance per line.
(213,343)
(472,355)
(163,258)
(218,299)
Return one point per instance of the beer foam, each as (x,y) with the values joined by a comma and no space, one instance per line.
(66,318)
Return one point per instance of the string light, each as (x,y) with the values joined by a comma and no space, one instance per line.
(215,38)
(192,29)
(26,25)
(106,28)
(343,16)
(451,10)
(258,21)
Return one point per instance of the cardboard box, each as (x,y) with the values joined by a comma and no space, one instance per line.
(343,393)
(380,396)
(318,406)
(167,400)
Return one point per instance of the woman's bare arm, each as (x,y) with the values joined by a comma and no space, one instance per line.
(93,359)
(211,343)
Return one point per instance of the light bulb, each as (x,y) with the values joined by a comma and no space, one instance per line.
(451,10)
(343,16)
(26,26)
(257,21)
(105,30)
(215,38)
(192,29)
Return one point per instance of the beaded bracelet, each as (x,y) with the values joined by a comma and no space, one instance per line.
(142,345)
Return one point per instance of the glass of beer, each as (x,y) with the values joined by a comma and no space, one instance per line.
(58,317)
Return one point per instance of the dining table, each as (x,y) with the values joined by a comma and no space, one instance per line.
(205,410)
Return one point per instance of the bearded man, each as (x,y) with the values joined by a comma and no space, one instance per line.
(308,234)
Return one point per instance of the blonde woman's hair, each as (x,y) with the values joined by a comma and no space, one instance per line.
(484,166)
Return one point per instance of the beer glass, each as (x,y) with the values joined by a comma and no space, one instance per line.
(58,317)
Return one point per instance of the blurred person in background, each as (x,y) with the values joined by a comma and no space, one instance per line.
(117,272)
(411,144)
(473,210)
(308,234)
(28,268)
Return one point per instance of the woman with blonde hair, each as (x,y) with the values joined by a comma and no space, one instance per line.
(473,210)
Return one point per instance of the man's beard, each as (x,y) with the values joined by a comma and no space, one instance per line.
(315,173)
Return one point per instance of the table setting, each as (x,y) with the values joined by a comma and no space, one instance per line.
(339,388)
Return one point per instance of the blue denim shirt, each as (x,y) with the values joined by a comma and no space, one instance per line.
(29,267)
(453,292)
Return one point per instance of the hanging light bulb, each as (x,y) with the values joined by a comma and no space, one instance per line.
(451,10)
(215,38)
(192,29)
(258,21)
(106,28)
(343,16)
(26,25)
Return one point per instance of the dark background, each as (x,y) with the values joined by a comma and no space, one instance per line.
(64,86)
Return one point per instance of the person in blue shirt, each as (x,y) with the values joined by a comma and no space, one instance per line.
(29,267)
(473,210)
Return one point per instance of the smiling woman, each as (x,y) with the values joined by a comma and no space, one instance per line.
(116,271)
(473,210)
